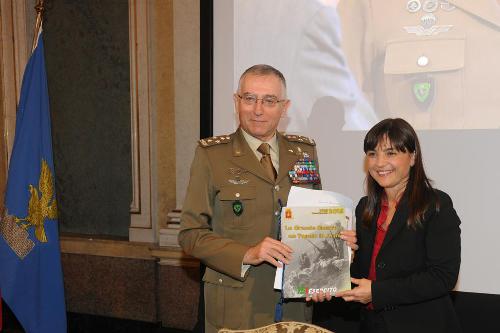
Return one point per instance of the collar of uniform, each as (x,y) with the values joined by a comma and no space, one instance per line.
(488,10)
(254,144)
(244,158)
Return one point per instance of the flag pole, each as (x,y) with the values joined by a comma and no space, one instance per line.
(39,8)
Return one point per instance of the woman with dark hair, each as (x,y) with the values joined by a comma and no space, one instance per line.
(409,239)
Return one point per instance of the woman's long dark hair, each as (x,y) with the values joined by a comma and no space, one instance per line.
(419,192)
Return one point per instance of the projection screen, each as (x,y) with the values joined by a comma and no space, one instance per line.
(337,93)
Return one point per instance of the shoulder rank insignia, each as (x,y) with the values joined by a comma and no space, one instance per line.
(215,140)
(300,138)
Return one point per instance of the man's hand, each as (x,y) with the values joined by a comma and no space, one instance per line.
(349,236)
(270,250)
(362,293)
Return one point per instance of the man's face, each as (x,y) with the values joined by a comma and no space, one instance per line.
(260,119)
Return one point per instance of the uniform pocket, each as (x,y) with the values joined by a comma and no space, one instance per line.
(424,81)
(238,205)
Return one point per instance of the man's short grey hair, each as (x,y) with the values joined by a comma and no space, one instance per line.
(263,70)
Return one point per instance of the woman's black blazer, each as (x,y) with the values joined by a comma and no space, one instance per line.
(415,268)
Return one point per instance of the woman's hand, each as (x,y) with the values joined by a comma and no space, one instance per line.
(319,297)
(362,293)
(349,236)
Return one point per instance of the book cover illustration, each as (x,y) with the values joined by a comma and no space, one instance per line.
(321,260)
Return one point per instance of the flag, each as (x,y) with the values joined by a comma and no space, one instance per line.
(30,261)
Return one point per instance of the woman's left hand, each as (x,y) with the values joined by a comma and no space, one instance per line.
(349,236)
(319,297)
(362,293)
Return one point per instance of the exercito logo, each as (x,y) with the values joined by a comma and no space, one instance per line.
(311,291)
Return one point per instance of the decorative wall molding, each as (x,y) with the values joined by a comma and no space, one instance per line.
(164,255)
(142,218)
(14,56)
(105,247)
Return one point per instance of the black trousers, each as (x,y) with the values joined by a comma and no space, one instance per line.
(372,322)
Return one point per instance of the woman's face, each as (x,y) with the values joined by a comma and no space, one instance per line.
(390,168)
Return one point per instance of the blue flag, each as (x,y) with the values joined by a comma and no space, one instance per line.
(31,280)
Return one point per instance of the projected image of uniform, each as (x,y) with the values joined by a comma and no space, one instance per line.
(302,38)
(431,62)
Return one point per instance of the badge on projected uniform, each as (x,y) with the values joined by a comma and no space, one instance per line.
(423,92)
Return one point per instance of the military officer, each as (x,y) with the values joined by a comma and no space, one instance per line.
(231,211)
(432,62)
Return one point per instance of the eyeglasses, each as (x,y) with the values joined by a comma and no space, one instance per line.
(267,101)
